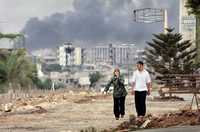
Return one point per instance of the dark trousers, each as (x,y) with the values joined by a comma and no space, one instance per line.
(119,106)
(140,102)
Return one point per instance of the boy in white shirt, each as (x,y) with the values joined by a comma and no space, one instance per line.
(141,87)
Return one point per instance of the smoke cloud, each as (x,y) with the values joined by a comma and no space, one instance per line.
(98,22)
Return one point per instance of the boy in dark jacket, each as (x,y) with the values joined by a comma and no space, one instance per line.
(119,93)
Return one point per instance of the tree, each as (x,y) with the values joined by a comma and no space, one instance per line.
(168,54)
(11,36)
(194,8)
(43,84)
(94,77)
(17,70)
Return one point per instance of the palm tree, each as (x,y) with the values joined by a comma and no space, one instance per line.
(10,36)
(14,37)
(194,8)
(17,70)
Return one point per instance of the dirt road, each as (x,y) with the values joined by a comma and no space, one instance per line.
(78,112)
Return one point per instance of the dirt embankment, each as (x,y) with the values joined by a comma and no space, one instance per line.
(179,118)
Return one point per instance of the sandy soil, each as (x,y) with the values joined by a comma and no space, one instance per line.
(73,112)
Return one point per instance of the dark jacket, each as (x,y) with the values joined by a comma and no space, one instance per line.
(118,85)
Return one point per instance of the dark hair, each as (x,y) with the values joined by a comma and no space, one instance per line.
(140,62)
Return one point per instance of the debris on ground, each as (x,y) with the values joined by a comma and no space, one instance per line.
(7,107)
(168,98)
(146,122)
(181,118)
(89,99)
(89,129)
(38,110)
(39,103)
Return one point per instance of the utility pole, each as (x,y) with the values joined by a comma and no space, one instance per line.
(128,62)
(165,20)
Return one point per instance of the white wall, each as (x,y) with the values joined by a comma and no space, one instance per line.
(77,56)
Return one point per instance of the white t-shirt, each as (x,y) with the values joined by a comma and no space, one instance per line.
(141,78)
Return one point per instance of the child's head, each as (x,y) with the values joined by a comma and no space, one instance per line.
(116,71)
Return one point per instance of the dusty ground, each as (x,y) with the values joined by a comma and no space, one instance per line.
(72,112)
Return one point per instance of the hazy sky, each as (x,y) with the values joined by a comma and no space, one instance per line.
(48,23)
(15,13)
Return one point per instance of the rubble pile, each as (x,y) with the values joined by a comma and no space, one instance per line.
(181,118)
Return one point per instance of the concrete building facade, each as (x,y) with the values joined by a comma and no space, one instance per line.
(69,55)
(187,23)
(114,54)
